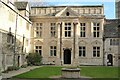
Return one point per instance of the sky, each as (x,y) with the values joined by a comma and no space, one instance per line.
(109,5)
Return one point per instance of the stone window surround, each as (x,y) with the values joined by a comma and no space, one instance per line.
(96,51)
(114,42)
(67,29)
(53,50)
(82,51)
(38,49)
(53,29)
(82,29)
(38,29)
(96,29)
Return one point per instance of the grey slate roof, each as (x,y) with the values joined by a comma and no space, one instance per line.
(111,28)
(21,5)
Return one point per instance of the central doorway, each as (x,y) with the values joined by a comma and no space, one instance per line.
(67,56)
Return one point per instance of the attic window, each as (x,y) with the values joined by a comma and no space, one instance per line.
(67,13)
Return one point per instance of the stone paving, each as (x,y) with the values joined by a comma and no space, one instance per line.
(20,71)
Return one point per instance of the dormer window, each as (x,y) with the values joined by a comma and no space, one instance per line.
(67,13)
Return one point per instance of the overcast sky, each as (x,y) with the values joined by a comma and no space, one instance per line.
(109,5)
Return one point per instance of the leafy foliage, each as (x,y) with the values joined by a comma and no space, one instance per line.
(34,59)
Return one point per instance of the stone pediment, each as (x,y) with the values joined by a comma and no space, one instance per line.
(66,12)
(38,42)
(82,42)
(96,42)
(53,42)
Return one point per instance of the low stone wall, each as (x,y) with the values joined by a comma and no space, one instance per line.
(70,73)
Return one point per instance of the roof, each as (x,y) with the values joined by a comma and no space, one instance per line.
(21,5)
(42,6)
(111,28)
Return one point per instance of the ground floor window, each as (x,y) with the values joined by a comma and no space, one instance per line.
(96,51)
(38,49)
(82,51)
(52,50)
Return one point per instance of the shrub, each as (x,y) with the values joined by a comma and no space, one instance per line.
(11,68)
(24,66)
(34,59)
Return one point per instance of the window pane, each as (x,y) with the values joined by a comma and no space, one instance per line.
(54,47)
(94,34)
(40,47)
(51,52)
(98,28)
(110,41)
(54,52)
(69,24)
(98,24)
(36,47)
(94,28)
(40,52)
(80,53)
(98,54)
(65,33)
(94,53)
(69,28)
(36,51)
(84,28)
(69,33)
(97,34)
(84,53)
(98,48)
(83,34)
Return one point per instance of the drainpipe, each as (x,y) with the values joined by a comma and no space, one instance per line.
(74,39)
(103,50)
(61,42)
(23,43)
(15,41)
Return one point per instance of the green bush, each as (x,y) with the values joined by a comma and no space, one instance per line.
(34,59)
(11,68)
(24,66)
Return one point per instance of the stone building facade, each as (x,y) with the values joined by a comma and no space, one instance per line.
(62,35)
(68,35)
(112,42)
(14,18)
(117,9)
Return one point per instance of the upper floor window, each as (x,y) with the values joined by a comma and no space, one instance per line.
(96,51)
(39,29)
(52,50)
(114,41)
(82,51)
(10,37)
(82,29)
(67,29)
(53,30)
(96,29)
(38,49)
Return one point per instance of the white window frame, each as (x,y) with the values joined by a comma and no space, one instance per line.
(67,29)
(39,29)
(96,29)
(53,51)
(53,30)
(82,51)
(96,51)
(82,30)
(38,49)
